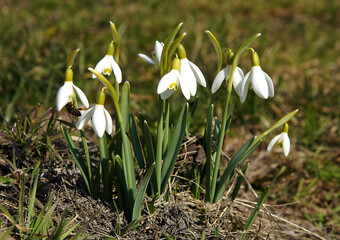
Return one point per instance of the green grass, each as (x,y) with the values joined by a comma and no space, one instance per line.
(299,49)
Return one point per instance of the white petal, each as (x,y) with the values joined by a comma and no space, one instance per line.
(259,82)
(81,96)
(84,118)
(101,65)
(273,142)
(286,144)
(167,94)
(237,79)
(63,95)
(116,70)
(167,80)
(147,59)
(158,50)
(185,86)
(198,74)
(218,80)
(108,120)
(98,120)
(188,76)
(270,85)
(244,86)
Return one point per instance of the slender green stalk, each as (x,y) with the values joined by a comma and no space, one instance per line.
(159,151)
(166,126)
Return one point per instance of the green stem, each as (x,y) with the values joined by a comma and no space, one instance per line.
(159,151)
(166,127)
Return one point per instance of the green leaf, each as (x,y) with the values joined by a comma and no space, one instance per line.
(87,156)
(174,147)
(137,208)
(217,49)
(238,183)
(77,157)
(137,148)
(255,211)
(279,123)
(149,144)
(150,153)
(164,64)
(217,130)
(207,143)
(159,144)
(222,184)
(174,45)
(125,105)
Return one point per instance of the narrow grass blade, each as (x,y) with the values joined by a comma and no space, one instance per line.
(77,157)
(137,208)
(4,234)
(77,235)
(255,211)
(238,183)
(32,194)
(174,147)
(137,148)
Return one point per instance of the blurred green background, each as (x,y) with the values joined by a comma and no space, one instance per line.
(299,48)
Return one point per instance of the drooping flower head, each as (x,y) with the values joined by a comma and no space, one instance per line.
(68,91)
(107,64)
(156,54)
(261,83)
(190,72)
(172,80)
(282,140)
(101,119)
(225,74)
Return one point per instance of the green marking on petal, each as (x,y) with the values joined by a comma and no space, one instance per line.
(173,86)
(107,71)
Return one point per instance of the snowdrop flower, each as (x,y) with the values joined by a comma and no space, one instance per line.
(156,54)
(282,140)
(190,72)
(170,82)
(67,92)
(101,119)
(262,84)
(225,74)
(108,64)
